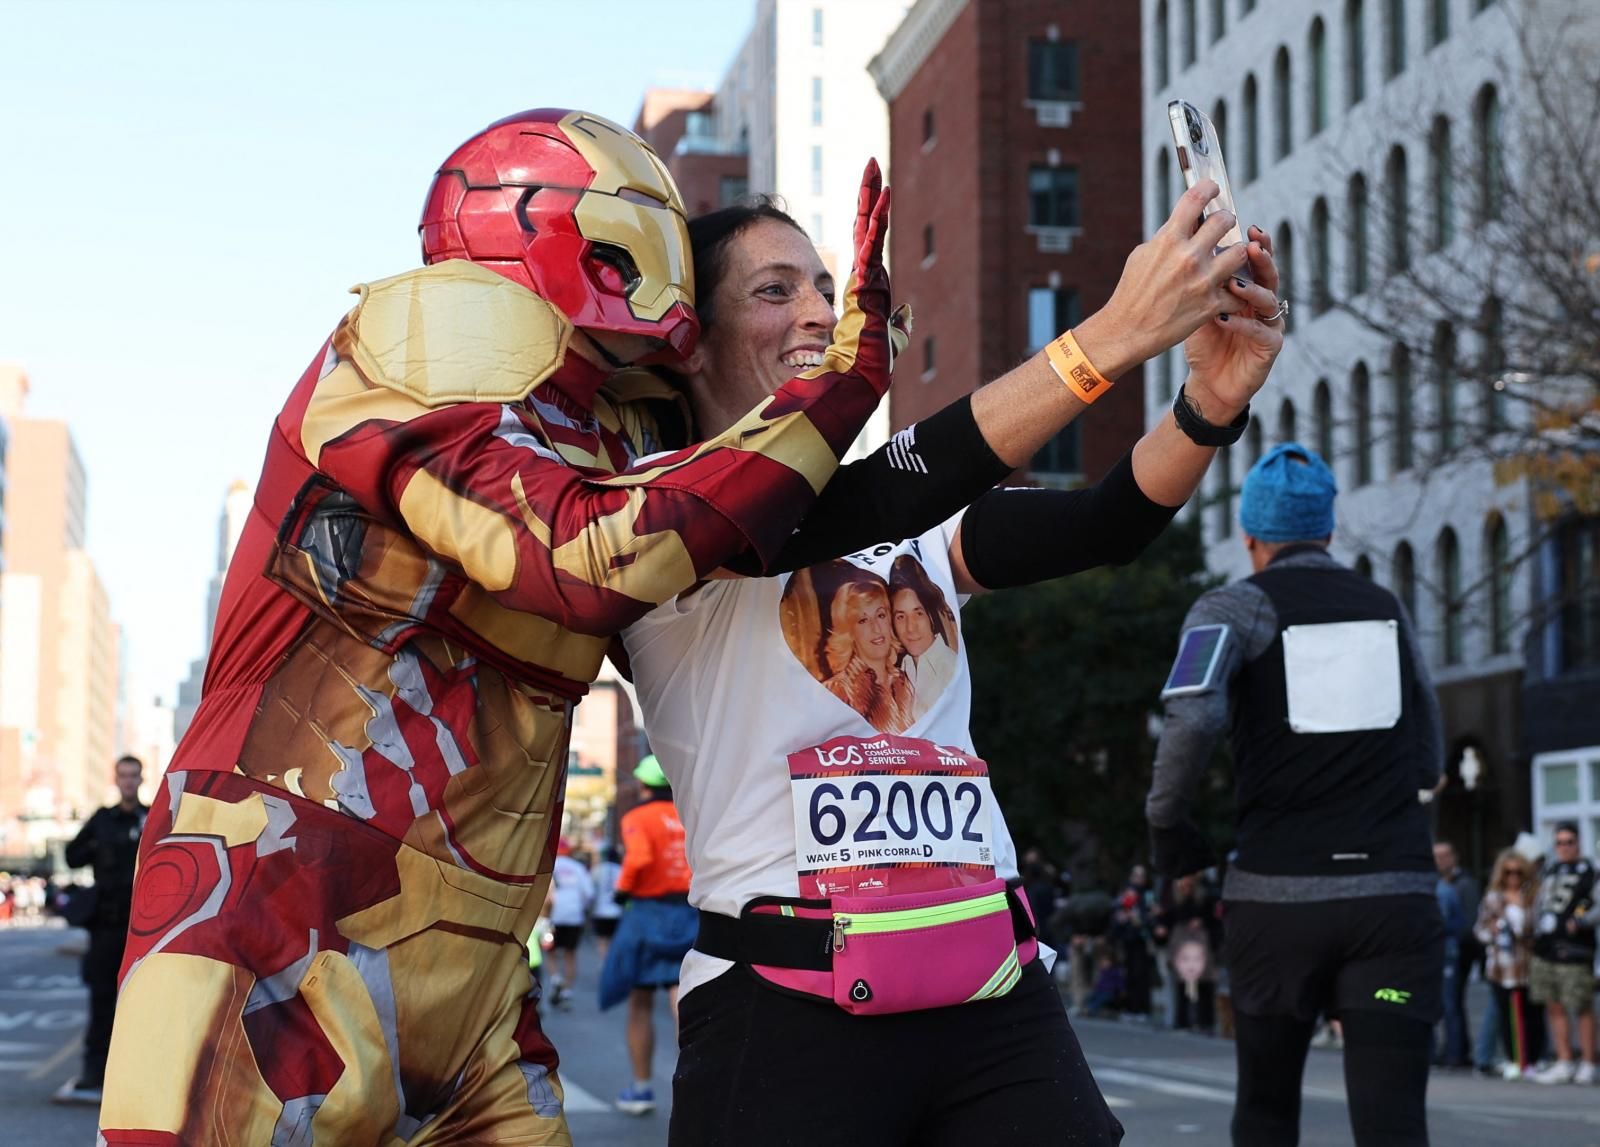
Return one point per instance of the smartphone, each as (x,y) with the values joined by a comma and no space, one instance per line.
(1200,157)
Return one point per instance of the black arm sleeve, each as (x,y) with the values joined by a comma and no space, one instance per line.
(82,849)
(1017,537)
(907,486)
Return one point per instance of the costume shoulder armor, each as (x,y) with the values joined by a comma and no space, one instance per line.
(453,332)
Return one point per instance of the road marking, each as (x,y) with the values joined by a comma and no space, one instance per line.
(1116,1101)
(54,1063)
(1164,1086)
(577,1101)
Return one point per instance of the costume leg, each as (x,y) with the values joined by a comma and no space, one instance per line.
(1272,1060)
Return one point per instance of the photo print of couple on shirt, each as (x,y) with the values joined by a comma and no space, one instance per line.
(884,646)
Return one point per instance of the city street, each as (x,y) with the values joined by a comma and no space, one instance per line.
(1165,1087)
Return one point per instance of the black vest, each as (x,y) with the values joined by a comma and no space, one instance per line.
(1324,804)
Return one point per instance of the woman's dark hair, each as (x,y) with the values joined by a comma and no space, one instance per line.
(907,573)
(708,242)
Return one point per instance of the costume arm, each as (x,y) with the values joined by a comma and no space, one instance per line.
(1195,720)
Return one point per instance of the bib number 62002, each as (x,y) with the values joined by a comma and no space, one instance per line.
(877,809)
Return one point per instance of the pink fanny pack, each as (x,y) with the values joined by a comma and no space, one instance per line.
(876,955)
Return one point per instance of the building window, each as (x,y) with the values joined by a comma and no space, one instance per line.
(1252,438)
(1246,7)
(1282,135)
(927,244)
(1578,592)
(1398,194)
(1053,197)
(1492,336)
(1355,52)
(816,171)
(1053,70)
(1401,413)
(1405,578)
(816,27)
(1446,417)
(1438,22)
(1491,172)
(1219,19)
(1164,379)
(1321,257)
(1364,566)
(1322,420)
(1191,33)
(1062,455)
(930,360)
(1394,38)
(1161,70)
(928,133)
(1319,76)
(1286,421)
(1497,549)
(1441,183)
(1357,236)
(1252,133)
(1161,201)
(1450,620)
(1283,252)
(816,101)
(1361,416)
(731,189)
(1051,310)
(1223,467)
(1219,120)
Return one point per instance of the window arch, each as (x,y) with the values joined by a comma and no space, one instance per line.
(1355,52)
(1490,155)
(1447,422)
(1321,257)
(1497,552)
(1253,436)
(1224,497)
(1283,251)
(1357,237)
(1161,187)
(1438,22)
(1361,420)
(1441,183)
(1219,119)
(1286,421)
(1282,101)
(1492,336)
(1404,569)
(1252,130)
(1364,566)
(1394,38)
(1322,420)
(1450,611)
(1191,33)
(1401,445)
(1318,93)
(1161,70)
(1399,196)
(1219,19)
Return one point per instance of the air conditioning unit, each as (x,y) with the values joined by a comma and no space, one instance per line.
(1055,240)
(1053,113)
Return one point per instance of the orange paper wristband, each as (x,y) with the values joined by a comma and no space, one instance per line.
(1068,360)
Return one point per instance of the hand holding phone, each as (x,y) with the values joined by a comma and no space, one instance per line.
(1200,157)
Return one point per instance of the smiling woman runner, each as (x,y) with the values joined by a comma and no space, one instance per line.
(866,972)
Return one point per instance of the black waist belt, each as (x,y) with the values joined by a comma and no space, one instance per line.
(795,941)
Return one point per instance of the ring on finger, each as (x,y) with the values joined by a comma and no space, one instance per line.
(1283,309)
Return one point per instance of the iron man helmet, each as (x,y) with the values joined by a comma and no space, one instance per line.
(579,210)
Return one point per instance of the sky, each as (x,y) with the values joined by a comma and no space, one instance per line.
(188,189)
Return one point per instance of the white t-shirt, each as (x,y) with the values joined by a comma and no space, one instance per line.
(573,892)
(739,674)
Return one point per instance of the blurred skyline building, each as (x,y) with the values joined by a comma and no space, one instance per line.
(58,643)
(680,124)
(1338,118)
(1016,199)
(230,525)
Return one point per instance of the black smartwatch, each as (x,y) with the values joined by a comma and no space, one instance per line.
(1203,433)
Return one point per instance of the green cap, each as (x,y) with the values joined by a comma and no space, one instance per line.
(650,775)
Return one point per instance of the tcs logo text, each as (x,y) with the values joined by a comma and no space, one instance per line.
(838,757)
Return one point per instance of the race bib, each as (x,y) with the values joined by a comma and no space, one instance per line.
(890,815)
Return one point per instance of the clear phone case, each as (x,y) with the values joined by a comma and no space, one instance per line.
(1200,157)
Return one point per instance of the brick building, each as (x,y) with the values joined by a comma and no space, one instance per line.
(1015,148)
(680,124)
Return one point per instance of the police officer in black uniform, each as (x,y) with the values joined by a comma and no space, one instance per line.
(1315,673)
(109,840)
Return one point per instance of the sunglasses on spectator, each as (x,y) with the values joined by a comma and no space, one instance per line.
(1565,841)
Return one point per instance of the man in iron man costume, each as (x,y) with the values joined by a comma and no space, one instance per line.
(357,832)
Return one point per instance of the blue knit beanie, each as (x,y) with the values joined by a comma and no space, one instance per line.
(1288,496)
